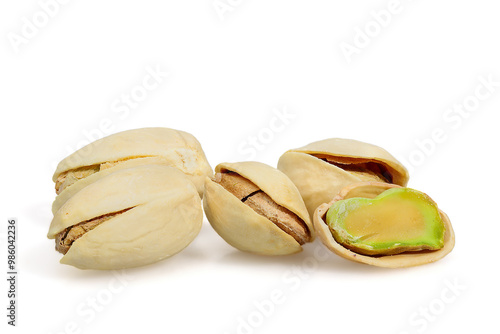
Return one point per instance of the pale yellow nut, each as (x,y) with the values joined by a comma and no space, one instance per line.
(321,169)
(242,226)
(161,215)
(128,148)
(372,190)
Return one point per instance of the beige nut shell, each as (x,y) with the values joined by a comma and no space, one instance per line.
(319,181)
(241,226)
(166,216)
(372,190)
(176,148)
(69,191)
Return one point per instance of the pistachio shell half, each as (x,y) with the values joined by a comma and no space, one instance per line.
(131,148)
(321,169)
(256,208)
(405,259)
(75,187)
(129,218)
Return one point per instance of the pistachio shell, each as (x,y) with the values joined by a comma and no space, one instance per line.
(240,225)
(319,181)
(164,216)
(372,190)
(69,191)
(176,148)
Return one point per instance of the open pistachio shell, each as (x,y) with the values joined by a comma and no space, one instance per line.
(69,191)
(372,190)
(240,225)
(144,214)
(321,169)
(161,145)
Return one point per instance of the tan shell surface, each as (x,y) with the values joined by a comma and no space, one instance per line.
(274,183)
(371,190)
(180,149)
(319,181)
(242,227)
(71,190)
(349,148)
(166,216)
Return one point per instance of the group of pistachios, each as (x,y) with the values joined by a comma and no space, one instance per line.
(134,198)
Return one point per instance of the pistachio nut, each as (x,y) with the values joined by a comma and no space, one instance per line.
(127,149)
(101,171)
(321,169)
(129,218)
(256,208)
(384,225)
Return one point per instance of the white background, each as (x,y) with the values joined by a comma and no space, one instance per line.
(229,74)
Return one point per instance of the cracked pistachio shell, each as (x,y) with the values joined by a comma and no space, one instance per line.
(68,192)
(166,216)
(243,228)
(146,145)
(372,190)
(319,181)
